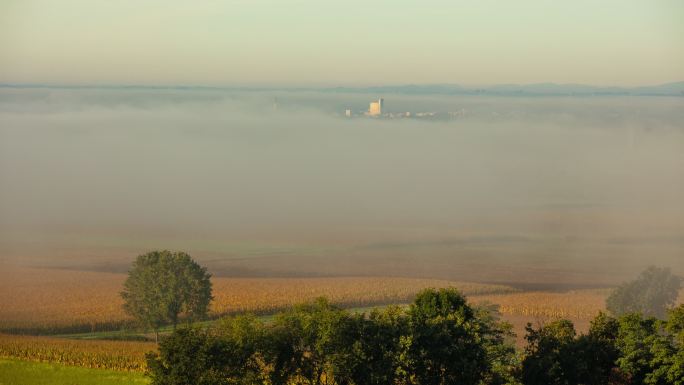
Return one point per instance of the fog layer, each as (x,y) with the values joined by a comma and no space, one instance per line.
(585,189)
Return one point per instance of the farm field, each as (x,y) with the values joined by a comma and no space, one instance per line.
(19,372)
(537,308)
(84,309)
(55,301)
(40,298)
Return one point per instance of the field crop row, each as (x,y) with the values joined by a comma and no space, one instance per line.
(114,355)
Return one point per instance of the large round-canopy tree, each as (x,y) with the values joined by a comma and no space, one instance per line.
(162,286)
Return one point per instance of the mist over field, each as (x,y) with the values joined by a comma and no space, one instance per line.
(556,190)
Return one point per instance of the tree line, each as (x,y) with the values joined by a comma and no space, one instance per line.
(439,339)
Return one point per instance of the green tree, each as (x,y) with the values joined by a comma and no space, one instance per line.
(499,340)
(314,343)
(675,328)
(162,285)
(447,343)
(598,352)
(548,355)
(651,350)
(556,355)
(644,349)
(650,294)
(384,354)
(244,337)
(675,324)
(188,356)
(227,354)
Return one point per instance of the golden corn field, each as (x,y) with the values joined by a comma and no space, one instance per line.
(115,355)
(62,301)
(55,300)
(266,295)
(65,301)
(44,301)
(579,306)
(575,304)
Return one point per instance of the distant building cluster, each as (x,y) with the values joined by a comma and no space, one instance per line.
(376,109)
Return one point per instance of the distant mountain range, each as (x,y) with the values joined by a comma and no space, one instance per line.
(538,89)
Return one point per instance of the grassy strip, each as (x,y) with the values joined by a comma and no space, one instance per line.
(19,372)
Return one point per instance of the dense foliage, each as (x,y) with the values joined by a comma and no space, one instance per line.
(162,285)
(632,349)
(440,339)
(650,294)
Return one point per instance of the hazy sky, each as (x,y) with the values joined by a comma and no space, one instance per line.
(313,42)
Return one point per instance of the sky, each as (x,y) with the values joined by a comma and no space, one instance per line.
(326,43)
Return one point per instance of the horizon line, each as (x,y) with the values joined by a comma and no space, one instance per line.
(671,89)
(315,87)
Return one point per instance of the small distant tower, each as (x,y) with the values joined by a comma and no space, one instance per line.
(375,108)
(348,113)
